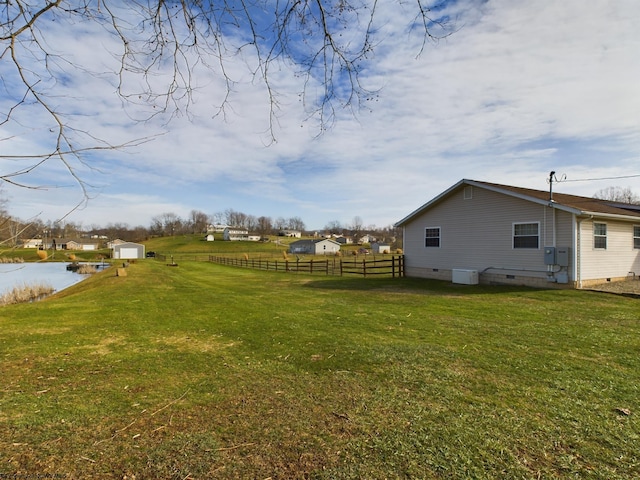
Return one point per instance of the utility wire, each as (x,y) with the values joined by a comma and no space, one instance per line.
(595,179)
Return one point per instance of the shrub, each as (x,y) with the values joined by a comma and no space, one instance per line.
(11,260)
(85,269)
(26,293)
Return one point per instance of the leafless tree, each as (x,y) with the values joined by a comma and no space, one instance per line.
(356,228)
(234,218)
(264,226)
(279,224)
(327,42)
(334,226)
(167,224)
(198,221)
(296,223)
(618,194)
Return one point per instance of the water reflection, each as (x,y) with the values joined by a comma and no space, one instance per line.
(13,275)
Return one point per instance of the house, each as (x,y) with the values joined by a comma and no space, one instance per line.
(343,240)
(479,232)
(323,246)
(380,248)
(82,245)
(366,238)
(128,251)
(56,244)
(290,233)
(115,242)
(235,233)
(217,228)
(32,243)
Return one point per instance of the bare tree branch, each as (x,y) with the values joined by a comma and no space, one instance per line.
(163,42)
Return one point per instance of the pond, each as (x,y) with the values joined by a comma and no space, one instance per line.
(56,275)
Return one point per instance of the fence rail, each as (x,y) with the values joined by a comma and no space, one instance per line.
(391,266)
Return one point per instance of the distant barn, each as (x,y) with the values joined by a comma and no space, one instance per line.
(128,251)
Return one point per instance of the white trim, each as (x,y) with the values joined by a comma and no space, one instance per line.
(593,235)
(439,236)
(513,235)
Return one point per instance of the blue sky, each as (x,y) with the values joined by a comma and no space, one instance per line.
(521,88)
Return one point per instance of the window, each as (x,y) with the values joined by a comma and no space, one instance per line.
(432,237)
(600,235)
(636,236)
(525,235)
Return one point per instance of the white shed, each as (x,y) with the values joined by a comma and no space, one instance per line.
(128,251)
(380,248)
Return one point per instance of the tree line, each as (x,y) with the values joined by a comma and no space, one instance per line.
(14,230)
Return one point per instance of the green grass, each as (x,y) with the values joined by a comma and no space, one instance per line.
(186,246)
(204,371)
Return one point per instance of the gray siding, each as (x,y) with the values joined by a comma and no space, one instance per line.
(477,233)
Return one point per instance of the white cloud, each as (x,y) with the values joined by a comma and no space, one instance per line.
(520,89)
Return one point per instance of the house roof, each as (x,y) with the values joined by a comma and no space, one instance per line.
(575,204)
(313,241)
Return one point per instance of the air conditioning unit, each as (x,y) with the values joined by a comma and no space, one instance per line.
(464,276)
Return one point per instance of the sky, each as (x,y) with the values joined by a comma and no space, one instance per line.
(518,90)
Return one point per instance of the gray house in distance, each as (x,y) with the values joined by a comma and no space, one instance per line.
(479,232)
(324,246)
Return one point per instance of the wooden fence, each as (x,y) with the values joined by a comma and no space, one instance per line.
(390,266)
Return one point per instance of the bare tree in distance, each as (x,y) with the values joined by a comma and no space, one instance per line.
(618,194)
(329,44)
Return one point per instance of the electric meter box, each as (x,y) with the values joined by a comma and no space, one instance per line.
(549,255)
(556,256)
(562,256)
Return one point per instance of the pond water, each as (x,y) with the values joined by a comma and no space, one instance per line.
(56,275)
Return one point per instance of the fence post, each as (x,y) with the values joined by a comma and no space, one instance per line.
(364,267)
(393,266)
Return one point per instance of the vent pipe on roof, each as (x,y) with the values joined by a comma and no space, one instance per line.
(551,177)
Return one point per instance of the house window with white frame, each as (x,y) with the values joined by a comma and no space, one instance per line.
(636,236)
(432,237)
(600,235)
(526,235)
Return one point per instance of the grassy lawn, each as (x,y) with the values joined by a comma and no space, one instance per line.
(205,371)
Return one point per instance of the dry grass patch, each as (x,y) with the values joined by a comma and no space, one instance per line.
(26,293)
(196,344)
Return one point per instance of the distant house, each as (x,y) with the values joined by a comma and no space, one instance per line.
(235,234)
(82,245)
(128,251)
(290,233)
(366,238)
(324,246)
(380,248)
(115,242)
(57,244)
(512,235)
(217,228)
(343,240)
(32,243)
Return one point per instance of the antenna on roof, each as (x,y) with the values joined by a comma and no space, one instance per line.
(553,178)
